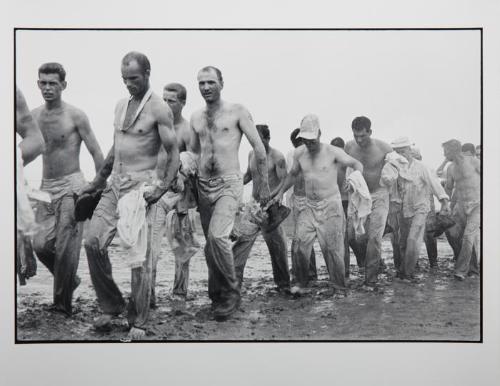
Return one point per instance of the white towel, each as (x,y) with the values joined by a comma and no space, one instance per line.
(25,214)
(132,226)
(360,202)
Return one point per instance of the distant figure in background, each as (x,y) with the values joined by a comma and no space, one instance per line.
(478,151)
(64,128)
(344,195)
(469,149)
(293,199)
(275,239)
(415,189)
(371,153)
(429,240)
(464,176)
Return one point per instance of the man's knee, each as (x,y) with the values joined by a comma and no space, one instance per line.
(92,245)
(40,245)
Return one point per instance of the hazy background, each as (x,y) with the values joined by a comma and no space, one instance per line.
(423,84)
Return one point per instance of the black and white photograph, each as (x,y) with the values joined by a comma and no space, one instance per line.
(250,193)
(251,185)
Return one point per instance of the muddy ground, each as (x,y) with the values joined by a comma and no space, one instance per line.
(438,308)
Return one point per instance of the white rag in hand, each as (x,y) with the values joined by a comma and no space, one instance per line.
(132,226)
(360,202)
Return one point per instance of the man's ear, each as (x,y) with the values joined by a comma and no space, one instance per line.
(64,84)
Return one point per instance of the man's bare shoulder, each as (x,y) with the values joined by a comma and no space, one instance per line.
(382,145)
(159,108)
(76,114)
(36,111)
(276,154)
(350,145)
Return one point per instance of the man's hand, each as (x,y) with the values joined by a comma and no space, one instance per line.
(91,187)
(154,195)
(264,194)
(445,207)
(278,198)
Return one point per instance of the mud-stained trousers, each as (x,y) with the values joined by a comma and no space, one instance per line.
(468,217)
(182,242)
(412,236)
(58,241)
(275,241)
(323,220)
(101,232)
(374,226)
(296,204)
(394,219)
(218,203)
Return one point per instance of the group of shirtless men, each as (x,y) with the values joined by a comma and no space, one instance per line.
(144,124)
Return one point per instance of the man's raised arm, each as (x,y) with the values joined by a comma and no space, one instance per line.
(33,143)
(248,128)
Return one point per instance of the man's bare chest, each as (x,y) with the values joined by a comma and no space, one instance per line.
(58,130)
(217,125)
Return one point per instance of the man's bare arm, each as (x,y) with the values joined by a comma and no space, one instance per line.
(248,174)
(194,145)
(33,143)
(280,168)
(289,180)
(88,137)
(346,160)
(248,128)
(450,182)
(169,141)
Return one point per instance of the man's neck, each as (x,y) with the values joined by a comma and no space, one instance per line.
(215,105)
(367,144)
(53,105)
(178,118)
(140,96)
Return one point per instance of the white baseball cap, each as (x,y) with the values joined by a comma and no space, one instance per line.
(309,127)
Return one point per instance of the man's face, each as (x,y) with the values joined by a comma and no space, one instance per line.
(405,152)
(362,136)
(449,154)
(311,144)
(209,85)
(51,86)
(173,101)
(134,78)
(265,140)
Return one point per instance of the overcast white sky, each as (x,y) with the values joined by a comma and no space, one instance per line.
(423,84)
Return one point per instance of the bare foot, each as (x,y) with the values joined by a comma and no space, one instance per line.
(103,322)
(136,333)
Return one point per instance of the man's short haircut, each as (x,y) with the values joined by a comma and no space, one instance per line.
(53,68)
(179,89)
(338,142)
(263,131)
(212,68)
(469,147)
(293,136)
(141,59)
(361,123)
(453,144)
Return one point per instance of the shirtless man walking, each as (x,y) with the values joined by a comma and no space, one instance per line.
(464,176)
(371,153)
(174,94)
(64,128)
(217,130)
(143,123)
(321,214)
(275,239)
